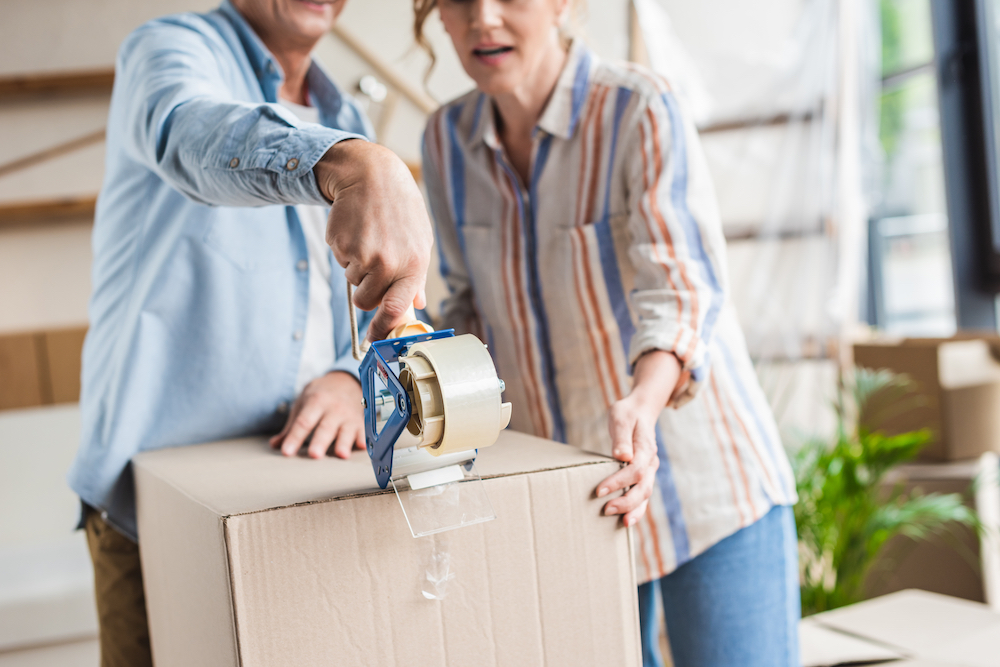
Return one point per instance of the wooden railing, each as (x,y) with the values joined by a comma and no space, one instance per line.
(57,83)
(40,367)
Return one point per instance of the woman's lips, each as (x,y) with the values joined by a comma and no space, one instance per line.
(492,54)
(319,7)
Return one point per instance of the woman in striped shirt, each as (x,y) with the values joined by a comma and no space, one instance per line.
(579,236)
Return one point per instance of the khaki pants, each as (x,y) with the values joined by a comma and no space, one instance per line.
(121,602)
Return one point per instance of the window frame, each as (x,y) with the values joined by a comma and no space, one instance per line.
(970,168)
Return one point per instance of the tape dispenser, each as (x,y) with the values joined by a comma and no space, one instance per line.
(427,422)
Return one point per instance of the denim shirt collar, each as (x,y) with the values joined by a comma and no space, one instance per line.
(323,92)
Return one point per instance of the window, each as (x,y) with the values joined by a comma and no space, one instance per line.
(910,261)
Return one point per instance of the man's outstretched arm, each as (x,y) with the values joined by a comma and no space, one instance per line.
(183,123)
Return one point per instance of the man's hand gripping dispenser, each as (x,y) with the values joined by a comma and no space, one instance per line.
(442,407)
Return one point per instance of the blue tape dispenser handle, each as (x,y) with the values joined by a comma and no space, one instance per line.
(375,364)
(380,444)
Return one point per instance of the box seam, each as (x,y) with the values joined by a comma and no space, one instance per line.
(383,492)
(232,590)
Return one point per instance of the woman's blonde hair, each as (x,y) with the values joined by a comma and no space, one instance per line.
(422,9)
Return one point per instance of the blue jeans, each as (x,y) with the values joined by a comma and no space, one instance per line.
(735,604)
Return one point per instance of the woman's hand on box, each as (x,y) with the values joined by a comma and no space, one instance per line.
(632,425)
(329,409)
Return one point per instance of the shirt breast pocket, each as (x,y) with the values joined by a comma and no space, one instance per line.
(252,239)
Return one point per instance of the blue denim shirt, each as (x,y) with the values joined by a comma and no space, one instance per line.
(199,299)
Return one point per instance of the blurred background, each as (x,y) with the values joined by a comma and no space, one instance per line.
(854,147)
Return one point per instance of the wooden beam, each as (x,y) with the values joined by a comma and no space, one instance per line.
(47,83)
(752,233)
(752,123)
(52,152)
(637,51)
(420,99)
(40,367)
(811,348)
(17,213)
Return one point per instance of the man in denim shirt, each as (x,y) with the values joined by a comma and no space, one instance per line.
(217,308)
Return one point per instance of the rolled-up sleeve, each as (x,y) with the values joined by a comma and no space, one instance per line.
(676,241)
(181,121)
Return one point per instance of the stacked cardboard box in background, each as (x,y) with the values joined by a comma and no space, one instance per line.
(959,382)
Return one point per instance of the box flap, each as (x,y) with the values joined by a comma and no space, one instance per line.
(246,475)
(821,646)
(917,622)
(976,649)
(966,363)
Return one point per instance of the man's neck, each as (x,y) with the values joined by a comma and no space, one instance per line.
(294,55)
(295,65)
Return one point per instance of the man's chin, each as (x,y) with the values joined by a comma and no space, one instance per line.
(312,27)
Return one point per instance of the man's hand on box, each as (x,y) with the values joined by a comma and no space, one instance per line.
(378,229)
(632,425)
(329,409)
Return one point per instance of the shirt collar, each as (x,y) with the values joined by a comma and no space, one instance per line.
(263,63)
(323,92)
(561,114)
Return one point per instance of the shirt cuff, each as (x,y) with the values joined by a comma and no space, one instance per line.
(287,169)
(297,157)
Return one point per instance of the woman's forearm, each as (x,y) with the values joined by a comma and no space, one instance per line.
(654,379)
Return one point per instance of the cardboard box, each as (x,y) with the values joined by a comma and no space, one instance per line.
(924,628)
(959,380)
(253,559)
(948,564)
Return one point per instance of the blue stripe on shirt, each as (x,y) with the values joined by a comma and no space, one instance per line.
(609,261)
(580,81)
(692,233)
(457,173)
(672,502)
(535,294)
(476,117)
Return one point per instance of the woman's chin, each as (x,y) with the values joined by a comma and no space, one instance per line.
(495,83)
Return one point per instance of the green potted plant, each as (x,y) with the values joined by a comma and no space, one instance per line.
(845,515)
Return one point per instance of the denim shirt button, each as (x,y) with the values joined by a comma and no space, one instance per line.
(297,335)
(302,265)
(292,164)
(235,162)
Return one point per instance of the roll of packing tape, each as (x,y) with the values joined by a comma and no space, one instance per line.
(456,394)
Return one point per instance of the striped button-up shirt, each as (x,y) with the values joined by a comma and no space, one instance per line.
(612,248)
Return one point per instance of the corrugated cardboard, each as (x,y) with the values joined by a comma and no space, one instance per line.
(959,380)
(927,628)
(253,559)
